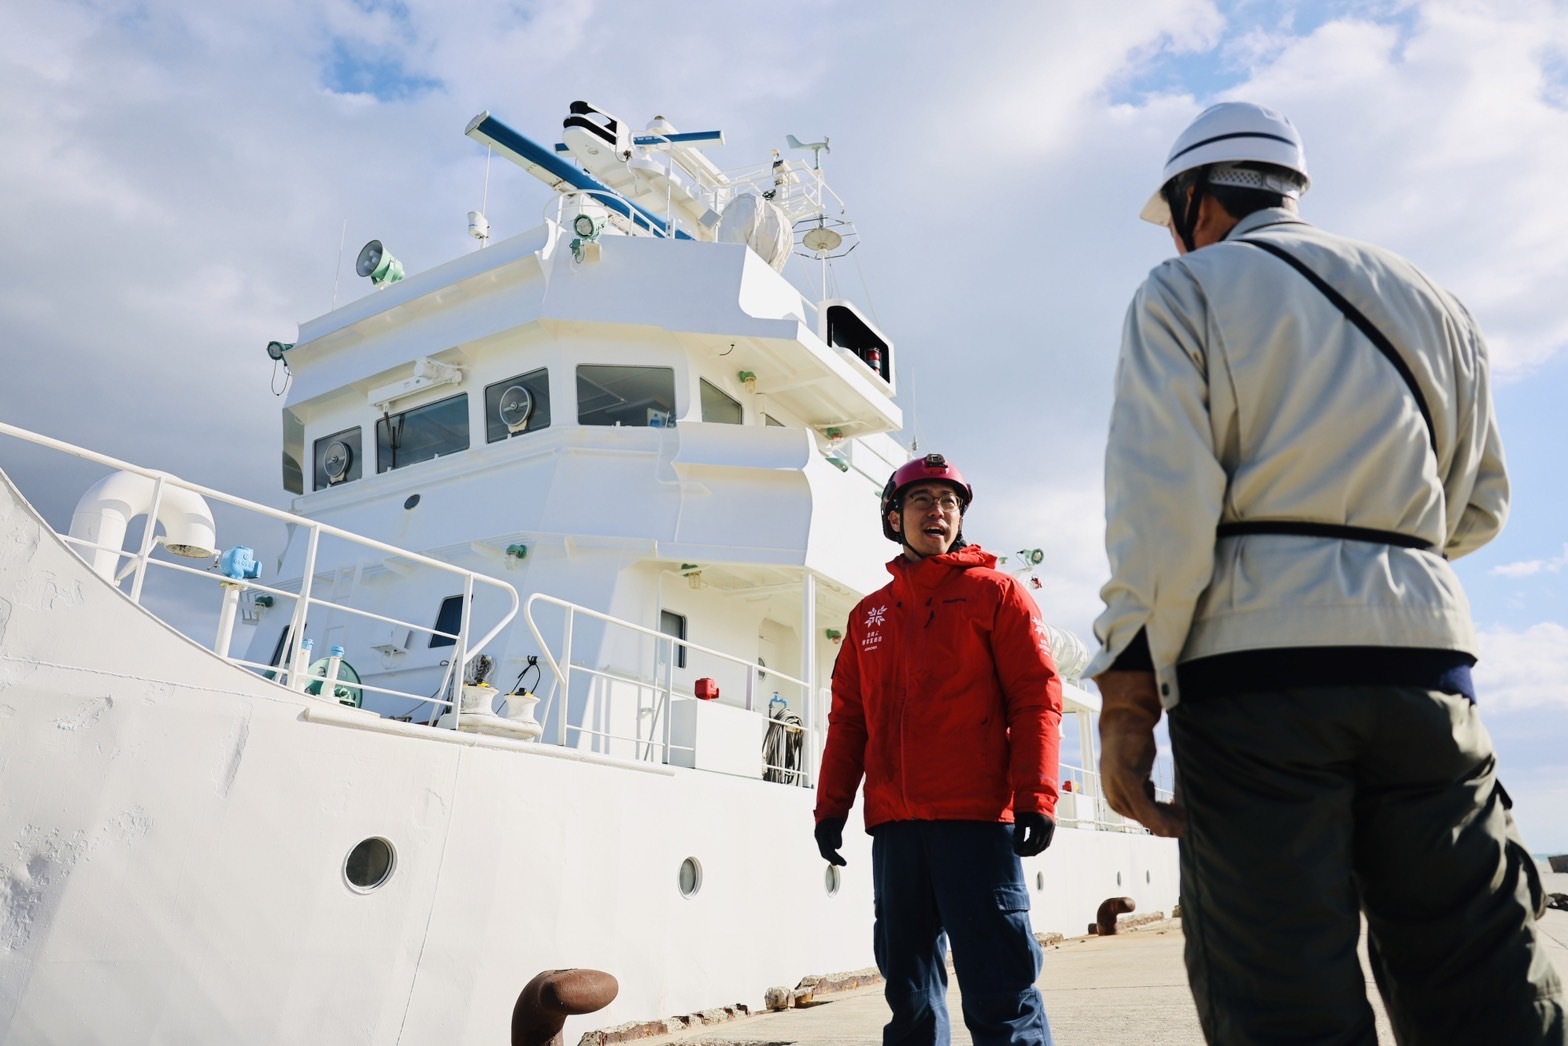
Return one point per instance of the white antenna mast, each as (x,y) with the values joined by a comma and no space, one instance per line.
(478,224)
(822,240)
(338,272)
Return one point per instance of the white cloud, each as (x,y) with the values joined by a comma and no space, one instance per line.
(1523,670)
(1531,567)
(1414,136)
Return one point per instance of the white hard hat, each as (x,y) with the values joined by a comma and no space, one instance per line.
(1233,132)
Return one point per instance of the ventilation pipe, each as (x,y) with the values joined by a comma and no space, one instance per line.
(108,507)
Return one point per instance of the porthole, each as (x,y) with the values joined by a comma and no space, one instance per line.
(369,865)
(1147,877)
(690,877)
(1039,881)
(411,501)
(833,880)
(1118,878)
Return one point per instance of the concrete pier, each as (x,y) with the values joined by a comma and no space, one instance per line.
(1126,990)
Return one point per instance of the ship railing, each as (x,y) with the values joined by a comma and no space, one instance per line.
(294,668)
(790,751)
(1081,803)
(608,202)
(804,195)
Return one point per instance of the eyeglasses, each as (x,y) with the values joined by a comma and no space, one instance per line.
(949,503)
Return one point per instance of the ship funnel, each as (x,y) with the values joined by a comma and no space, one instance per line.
(107,508)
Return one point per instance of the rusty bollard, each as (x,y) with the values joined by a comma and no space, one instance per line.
(546,1001)
(1110,908)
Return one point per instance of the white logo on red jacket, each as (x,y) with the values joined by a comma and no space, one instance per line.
(874,616)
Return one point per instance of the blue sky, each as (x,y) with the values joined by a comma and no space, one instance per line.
(178,177)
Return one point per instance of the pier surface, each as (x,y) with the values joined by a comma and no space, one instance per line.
(1126,990)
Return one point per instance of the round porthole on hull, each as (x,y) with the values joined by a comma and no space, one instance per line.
(690,877)
(369,865)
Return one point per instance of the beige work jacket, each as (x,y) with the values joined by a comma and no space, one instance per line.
(1243,393)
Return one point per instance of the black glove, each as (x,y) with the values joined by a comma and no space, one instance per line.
(830,836)
(1031,833)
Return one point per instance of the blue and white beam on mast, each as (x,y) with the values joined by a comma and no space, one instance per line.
(559,175)
(653,141)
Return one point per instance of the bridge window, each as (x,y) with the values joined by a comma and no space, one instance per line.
(422,433)
(674,626)
(718,406)
(337,458)
(517,405)
(632,396)
(449,619)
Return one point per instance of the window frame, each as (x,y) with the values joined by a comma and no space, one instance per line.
(682,621)
(449,604)
(353,438)
(636,411)
(386,421)
(708,392)
(537,382)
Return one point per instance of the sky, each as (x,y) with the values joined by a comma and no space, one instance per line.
(182,183)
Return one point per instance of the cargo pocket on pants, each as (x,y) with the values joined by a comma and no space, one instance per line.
(1012,905)
(1515,845)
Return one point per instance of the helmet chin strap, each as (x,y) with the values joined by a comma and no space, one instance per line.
(1186,218)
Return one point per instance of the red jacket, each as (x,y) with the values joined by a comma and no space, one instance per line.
(945,698)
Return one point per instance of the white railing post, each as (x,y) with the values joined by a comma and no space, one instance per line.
(296,671)
(668,710)
(148,536)
(565,680)
(808,659)
(460,651)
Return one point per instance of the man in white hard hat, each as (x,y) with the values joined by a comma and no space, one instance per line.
(1302,440)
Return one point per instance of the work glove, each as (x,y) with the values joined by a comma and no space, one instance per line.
(830,836)
(1129,708)
(1032,833)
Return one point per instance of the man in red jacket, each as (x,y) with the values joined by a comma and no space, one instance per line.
(946,700)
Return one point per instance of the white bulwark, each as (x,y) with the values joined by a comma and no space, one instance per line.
(533,673)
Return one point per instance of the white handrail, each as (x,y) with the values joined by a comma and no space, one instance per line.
(1084,786)
(290,669)
(562,668)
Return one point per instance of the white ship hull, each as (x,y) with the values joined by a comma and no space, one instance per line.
(178,829)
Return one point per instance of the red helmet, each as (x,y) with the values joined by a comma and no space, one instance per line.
(932,467)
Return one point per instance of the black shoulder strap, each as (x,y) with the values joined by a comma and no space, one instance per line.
(1355,316)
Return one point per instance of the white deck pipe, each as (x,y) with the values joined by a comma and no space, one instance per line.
(109,505)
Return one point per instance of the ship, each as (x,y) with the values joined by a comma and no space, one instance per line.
(533,671)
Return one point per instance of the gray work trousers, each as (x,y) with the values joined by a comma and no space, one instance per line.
(1308,807)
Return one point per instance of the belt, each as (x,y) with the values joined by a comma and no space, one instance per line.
(1322,530)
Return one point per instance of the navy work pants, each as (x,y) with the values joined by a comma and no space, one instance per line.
(1307,807)
(960,878)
